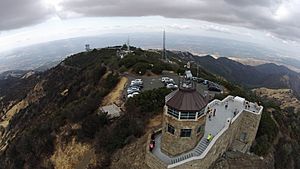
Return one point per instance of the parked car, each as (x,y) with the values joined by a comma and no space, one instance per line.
(168,81)
(135,85)
(171,86)
(133,94)
(198,79)
(214,87)
(205,82)
(164,79)
(131,90)
(136,82)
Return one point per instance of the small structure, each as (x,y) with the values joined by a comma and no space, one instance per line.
(188,74)
(112,111)
(87,47)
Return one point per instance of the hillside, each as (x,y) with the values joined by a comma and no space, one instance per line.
(287,116)
(52,119)
(266,75)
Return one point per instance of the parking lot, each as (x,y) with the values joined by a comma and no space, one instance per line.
(152,82)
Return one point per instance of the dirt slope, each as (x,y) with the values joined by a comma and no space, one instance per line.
(115,96)
(133,155)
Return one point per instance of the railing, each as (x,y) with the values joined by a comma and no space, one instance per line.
(228,122)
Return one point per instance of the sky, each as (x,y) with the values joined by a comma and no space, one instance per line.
(271,23)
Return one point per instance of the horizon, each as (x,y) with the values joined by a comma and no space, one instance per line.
(265,23)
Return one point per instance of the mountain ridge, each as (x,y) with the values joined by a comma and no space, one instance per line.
(265,75)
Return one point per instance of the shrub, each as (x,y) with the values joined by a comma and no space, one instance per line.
(267,132)
(157,68)
(148,101)
(122,69)
(141,68)
(92,124)
(111,81)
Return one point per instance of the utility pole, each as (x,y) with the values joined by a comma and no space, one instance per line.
(128,45)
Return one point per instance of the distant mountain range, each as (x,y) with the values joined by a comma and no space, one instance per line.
(265,75)
(32,57)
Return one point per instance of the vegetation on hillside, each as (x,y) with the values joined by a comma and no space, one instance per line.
(141,61)
(74,91)
(81,76)
(288,148)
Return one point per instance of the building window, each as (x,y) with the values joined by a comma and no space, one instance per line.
(185,132)
(171,129)
(188,115)
(173,112)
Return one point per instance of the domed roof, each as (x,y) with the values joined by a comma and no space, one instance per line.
(186,100)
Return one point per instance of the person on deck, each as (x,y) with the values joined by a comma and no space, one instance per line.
(209,137)
(151,145)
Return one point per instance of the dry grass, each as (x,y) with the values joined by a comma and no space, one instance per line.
(284,96)
(115,96)
(12,111)
(72,155)
(155,122)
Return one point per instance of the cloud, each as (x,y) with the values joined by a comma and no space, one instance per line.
(275,16)
(279,17)
(20,13)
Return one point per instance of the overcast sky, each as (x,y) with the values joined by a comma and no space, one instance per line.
(24,22)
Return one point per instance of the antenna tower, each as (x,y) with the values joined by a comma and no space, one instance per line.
(164,56)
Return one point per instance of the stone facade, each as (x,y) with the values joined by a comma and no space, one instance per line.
(246,132)
(173,144)
(225,141)
(242,128)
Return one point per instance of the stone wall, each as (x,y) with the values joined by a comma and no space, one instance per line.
(245,121)
(219,146)
(173,144)
(224,142)
(248,125)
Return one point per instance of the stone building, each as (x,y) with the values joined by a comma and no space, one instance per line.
(183,121)
(187,121)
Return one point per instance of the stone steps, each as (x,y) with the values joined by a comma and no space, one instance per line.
(201,147)
(196,152)
(182,157)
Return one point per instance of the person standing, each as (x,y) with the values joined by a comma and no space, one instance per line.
(209,138)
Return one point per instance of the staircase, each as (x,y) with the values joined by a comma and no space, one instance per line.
(196,152)
(182,157)
(201,147)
